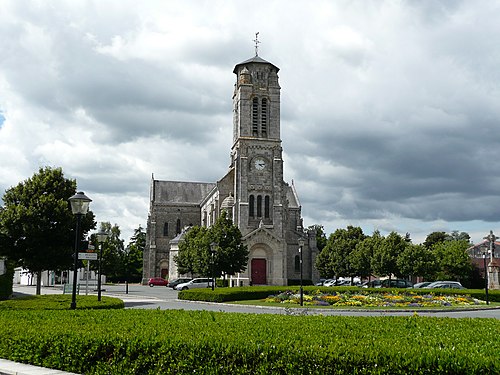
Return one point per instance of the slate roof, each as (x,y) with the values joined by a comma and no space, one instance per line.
(256,59)
(181,192)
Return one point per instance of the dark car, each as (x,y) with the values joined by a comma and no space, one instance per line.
(174,283)
(159,281)
(395,283)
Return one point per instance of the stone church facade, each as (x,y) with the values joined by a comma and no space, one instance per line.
(264,207)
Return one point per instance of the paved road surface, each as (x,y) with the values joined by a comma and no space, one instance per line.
(145,297)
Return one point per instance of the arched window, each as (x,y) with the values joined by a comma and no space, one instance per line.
(266,206)
(263,118)
(251,206)
(255,117)
(178,226)
(165,229)
(297,263)
(259,205)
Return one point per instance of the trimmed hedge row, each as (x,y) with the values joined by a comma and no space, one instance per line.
(60,302)
(187,342)
(261,292)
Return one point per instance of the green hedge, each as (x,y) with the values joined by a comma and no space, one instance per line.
(187,342)
(60,302)
(260,292)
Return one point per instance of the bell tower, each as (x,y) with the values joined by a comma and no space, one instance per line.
(256,154)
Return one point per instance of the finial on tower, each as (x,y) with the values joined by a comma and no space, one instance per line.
(256,41)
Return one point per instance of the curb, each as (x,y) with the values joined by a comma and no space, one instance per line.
(15,368)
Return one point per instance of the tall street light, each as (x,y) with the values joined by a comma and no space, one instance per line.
(101,238)
(79,206)
(485,278)
(213,246)
(301,248)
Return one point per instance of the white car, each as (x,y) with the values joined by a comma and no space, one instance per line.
(195,283)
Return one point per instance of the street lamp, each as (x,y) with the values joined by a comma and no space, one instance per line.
(485,278)
(79,206)
(101,238)
(213,246)
(301,248)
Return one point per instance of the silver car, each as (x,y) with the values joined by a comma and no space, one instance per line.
(444,284)
(195,283)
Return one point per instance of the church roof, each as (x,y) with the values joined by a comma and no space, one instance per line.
(181,192)
(256,59)
(292,197)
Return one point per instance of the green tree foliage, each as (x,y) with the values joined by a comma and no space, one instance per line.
(231,255)
(434,238)
(195,256)
(37,223)
(417,260)
(453,260)
(112,262)
(133,255)
(458,236)
(384,261)
(363,253)
(334,259)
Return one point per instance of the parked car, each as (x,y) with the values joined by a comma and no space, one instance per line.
(422,284)
(160,281)
(371,284)
(445,284)
(395,283)
(174,283)
(195,283)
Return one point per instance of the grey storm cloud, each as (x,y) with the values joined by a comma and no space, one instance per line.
(389,109)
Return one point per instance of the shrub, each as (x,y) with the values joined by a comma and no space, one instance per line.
(6,281)
(60,302)
(187,342)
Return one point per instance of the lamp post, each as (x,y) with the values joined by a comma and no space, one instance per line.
(101,238)
(485,279)
(301,246)
(79,206)
(213,245)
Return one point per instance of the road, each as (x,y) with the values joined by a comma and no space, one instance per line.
(145,297)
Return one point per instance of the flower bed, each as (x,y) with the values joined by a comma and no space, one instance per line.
(367,299)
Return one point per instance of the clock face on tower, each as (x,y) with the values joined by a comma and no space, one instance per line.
(259,164)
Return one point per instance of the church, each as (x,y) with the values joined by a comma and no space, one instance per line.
(265,208)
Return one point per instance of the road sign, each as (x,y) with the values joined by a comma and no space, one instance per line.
(87,256)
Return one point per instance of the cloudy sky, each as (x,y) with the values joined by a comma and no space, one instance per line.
(390,109)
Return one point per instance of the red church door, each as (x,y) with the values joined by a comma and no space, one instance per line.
(259,271)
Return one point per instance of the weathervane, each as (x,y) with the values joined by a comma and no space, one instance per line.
(256,41)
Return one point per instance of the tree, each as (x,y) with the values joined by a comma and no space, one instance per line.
(231,256)
(334,258)
(133,255)
(434,238)
(112,262)
(417,260)
(384,261)
(38,223)
(453,260)
(195,256)
(458,236)
(362,255)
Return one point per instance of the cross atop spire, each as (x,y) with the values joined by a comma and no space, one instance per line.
(256,41)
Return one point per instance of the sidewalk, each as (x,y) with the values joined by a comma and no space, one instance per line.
(13,368)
